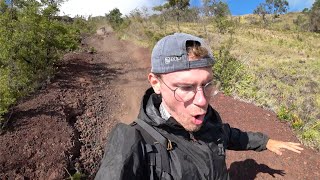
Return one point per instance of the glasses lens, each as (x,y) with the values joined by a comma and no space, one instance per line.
(208,89)
(184,93)
(211,89)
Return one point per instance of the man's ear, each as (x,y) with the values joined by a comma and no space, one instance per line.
(155,83)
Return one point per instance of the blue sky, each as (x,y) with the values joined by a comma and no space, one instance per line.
(240,7)
(100,7)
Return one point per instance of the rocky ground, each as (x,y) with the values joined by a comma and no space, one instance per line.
(62,128)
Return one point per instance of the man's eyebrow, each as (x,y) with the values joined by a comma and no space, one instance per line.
(177,84)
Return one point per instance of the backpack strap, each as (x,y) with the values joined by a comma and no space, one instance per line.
(151,160)
(157,148)
(155,134)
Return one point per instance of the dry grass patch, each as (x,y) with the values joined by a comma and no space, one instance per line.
(282,64)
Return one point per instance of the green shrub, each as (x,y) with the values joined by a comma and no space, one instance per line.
(76,176)
(315,17)
(224,25)
(115,19)
(82,26)
(297,122)
(287,114)
(6,97)
(32,40)
(312,135)
(284,114)
(231,73)
(153,37)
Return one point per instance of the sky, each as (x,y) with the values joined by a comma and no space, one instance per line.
(101,7)
(238,7)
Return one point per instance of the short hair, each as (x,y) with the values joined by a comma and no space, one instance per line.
(196,49)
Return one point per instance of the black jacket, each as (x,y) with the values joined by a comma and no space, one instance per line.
(194,156)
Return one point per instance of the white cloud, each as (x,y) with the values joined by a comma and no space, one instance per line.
(298,5)
(101,7)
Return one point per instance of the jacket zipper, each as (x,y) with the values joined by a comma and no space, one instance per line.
(192,137)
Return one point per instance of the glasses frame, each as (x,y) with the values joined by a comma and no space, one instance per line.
(195,90)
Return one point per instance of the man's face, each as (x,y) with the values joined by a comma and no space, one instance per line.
(189,114)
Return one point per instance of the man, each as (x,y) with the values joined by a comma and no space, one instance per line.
(178,135)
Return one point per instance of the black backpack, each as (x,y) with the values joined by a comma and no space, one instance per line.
(157,149)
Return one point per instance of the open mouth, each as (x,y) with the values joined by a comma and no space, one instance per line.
(198,119)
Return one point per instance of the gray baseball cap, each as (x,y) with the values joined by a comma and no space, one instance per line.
(170,54)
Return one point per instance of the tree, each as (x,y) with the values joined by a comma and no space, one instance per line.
(262,11)
(278,6)
(215,8)
(114,18)
(177,7)
(305,10)
(315,17)
(275,7)
(3,6)
(220,11)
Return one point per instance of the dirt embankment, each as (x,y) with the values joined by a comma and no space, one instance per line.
(64,126)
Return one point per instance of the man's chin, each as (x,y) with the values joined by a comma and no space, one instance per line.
(193,128)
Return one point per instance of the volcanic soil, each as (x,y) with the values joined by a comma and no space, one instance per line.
(62,127)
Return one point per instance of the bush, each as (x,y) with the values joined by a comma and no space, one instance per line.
(224,25)
(315,17)
(153,37)
(231,74)
(284,114)
(32,40)
(6,97)
(297,122)
(288,115)
(301,22)
(115,19)
(311,134)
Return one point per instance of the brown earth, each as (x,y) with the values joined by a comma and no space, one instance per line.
(62,128)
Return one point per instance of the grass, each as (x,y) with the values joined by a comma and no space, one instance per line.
(76,176)
(282,61)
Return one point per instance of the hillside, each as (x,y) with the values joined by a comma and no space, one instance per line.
(62,128)
(281,62)
(63,87)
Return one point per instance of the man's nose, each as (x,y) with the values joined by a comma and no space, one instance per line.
(199,98)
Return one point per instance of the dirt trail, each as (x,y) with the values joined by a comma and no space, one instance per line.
(64,126)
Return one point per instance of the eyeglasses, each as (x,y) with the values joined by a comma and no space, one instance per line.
(186,93)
